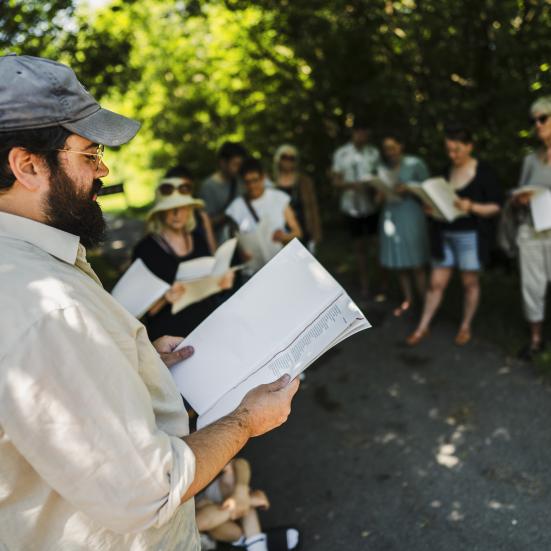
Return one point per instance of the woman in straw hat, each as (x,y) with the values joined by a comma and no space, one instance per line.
(174,237)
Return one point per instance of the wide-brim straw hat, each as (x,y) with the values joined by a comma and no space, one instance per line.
(174,201)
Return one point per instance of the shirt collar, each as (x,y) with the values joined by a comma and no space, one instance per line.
(58,243)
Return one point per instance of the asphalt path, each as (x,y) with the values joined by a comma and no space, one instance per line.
(392,448)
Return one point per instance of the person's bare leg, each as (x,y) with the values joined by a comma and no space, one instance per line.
(471,289)
(407,294)
(209,516)
(228,532)
(439,279)
(535,334)
(251,524)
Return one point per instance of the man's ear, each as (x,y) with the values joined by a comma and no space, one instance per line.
(29,169)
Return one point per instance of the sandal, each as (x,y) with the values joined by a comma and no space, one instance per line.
(402,309)
(463,337)
(416,337)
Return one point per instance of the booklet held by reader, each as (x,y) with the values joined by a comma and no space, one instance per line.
(280,321)
(439,196)
(139,288)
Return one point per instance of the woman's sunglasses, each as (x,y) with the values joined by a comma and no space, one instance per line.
(288,157)
(542,119)
(169,189)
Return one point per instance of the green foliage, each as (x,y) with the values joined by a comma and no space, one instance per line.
(30,26)
(197,73)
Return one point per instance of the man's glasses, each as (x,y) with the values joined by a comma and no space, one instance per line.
(168,189)
(288,157)
(542,119)
(97,157)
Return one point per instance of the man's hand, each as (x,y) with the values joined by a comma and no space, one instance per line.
(165,347)
(266,407)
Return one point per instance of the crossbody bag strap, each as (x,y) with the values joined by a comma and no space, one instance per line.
(251,210)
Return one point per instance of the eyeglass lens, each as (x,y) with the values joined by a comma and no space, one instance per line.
(168,189)
(542,119)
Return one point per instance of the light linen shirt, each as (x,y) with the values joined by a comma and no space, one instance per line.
(356,166)
(91,423)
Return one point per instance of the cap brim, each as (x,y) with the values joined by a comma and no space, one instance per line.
(105,127)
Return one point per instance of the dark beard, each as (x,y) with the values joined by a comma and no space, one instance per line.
(74,211)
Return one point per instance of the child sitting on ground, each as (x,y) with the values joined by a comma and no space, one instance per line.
(226,511)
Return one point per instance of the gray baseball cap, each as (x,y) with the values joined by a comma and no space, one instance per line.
(40,93)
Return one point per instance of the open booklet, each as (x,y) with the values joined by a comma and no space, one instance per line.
(138,289)
(385,184)
(259,244)
(540,205)
(280,321)
(439,195)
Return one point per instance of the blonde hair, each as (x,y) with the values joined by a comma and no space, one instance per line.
(156,222)
(541,105)
(285,149)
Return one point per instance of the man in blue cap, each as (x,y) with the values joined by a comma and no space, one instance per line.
(95,450)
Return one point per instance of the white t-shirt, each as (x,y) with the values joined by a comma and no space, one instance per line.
(356,166)
(270,205)
(256,237)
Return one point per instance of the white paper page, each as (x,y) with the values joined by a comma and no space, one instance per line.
(259,244)
(444,197)
(386,187)
(419,192)
(268,246)
(195,268)
(540,206)
(310,344)
(223,257)
(138,289)
(196,291)
(250,243)
(258,320)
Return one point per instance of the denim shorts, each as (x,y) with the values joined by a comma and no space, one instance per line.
(460,250)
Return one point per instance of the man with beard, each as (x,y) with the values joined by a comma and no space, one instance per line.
(95,450)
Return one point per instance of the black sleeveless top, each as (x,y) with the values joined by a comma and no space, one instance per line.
(160,258)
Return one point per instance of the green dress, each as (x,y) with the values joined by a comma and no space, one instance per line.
(403,236)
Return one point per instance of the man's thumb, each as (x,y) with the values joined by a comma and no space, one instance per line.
(282,382)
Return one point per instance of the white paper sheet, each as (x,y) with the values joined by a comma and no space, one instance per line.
(259,244)
(540,206)
(444,197)
(318,337)
(196,291)
(438,194)
(384,185)
(269,320)
(138,289)
(206,266)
